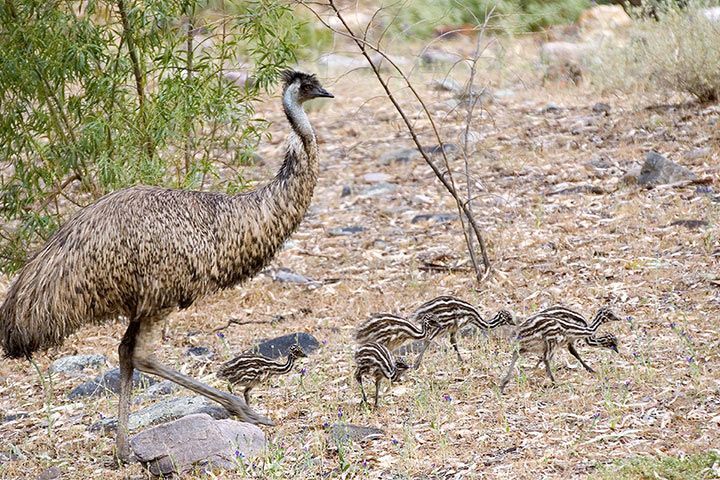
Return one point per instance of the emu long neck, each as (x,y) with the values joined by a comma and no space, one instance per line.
(596,322)
(286,367)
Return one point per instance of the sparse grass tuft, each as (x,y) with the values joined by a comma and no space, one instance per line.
(700,466)
(677,53)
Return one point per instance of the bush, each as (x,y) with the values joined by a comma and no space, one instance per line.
(677,53)
(420,17)
(98,95)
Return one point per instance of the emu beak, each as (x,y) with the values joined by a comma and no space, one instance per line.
(321,92)
(615,349)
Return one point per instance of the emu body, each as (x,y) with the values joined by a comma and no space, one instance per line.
(376,361)
(390,330)
(144,251)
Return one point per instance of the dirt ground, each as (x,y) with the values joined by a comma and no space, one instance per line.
(614,243)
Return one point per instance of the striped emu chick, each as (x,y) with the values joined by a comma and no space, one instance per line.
(450,314)
(390,330)
(375,360)
(249,370)
(553,328)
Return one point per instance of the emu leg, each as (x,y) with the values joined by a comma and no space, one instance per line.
(575,354)
(547,355)
(426,344)
(377,389)
(453,342)
(358,377)
(507,376)
(246,394)
(125,352)
(145,361)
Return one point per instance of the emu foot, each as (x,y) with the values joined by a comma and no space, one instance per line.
(247,414)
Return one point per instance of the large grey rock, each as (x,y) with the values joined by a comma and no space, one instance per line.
(77,363)
(285,275)
(108,382)
(197,442)
(166,411)
(279,347)
(658,170)
(345,432)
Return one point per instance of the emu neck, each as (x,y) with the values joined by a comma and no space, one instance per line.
(596,322)
(287,366)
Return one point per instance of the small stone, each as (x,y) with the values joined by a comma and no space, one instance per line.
(600,107)
(405,155)
(447,85)
(197,441)
(448,148)
(379,190)
(77,363)
(280,346)
(712,14)
(52,473)
(11,417)
(433,55)
(166,387)
(285,275)
(199,351)
(551,108)
(165,411)
(108,382)
(690,224)
(345,432)
(345,231)
(377,177)
(698,153)
(658,170)
(434,217)
(346,191)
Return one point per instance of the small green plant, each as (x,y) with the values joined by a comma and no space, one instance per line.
(675,53)
(699,466)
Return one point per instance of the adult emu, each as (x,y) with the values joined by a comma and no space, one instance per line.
(143,251)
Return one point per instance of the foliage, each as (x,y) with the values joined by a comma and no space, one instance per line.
(675,53)
(100,95)
(420,17)
(692,467)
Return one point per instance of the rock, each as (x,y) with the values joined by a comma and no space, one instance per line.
(346,191)
(698,153)
(690,224)
(604,19)
(434,55)
(345,432)
(108,382)
(196,441)
(448,148)
(379,189)
(285,275)
(165,411)
(600,107)
(551,108)
(166,387)
(52,473)
(199,352)
(712,14)
(377,177)
(77,363)
(11,417)
(658,170)
(335,61)
(564,60)
(434,217)
(279,347)
(405,155)
(447,85)
(240,78)
(345,231)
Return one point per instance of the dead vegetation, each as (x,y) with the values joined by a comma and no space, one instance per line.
(561,227)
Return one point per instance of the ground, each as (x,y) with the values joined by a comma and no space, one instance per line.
(616,246)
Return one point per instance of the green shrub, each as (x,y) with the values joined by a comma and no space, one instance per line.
(421,17)
(90,103)
(677,53)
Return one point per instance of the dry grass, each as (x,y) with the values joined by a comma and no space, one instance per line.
(660,396)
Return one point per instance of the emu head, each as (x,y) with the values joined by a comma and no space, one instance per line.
(606,341)
(400,368)
(296,352)
(303,86)
(605,314)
